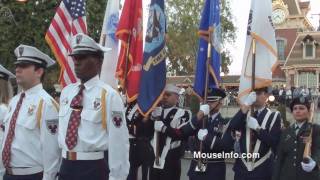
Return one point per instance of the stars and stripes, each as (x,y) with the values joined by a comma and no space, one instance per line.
(69,20)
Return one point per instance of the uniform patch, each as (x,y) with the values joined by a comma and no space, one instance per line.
(97,104)
(52,126)
(117,118)
(31,110)
(287,138)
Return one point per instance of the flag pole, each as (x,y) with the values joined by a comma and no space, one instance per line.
(201,165)
(124,90)
(253,82)
(308,144)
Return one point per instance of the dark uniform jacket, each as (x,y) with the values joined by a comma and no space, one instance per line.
(290,154)
(268,137)
(218,140)
(170,144)
(141,133)
(174,132)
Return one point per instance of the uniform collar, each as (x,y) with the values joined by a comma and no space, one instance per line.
(299,124)
(167,110)
(34,89)
(261,109)
(91,83)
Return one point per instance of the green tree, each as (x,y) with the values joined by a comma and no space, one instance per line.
(28,23)
(183,25)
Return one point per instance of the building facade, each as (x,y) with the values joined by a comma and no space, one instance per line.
(297,45)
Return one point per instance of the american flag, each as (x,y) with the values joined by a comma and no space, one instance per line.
(69,20)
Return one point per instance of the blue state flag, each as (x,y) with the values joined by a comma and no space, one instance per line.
(153,77)
(209,30)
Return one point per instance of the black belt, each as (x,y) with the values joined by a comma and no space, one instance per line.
(139,139)
(9,172)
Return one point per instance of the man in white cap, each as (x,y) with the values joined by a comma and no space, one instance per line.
(169,117)
(5,91)
(92,120)
(5,96)
(30,147)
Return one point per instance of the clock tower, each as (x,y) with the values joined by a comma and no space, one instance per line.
(289,17)
(279,12)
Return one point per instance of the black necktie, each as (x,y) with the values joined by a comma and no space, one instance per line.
(297,128)
(256,114)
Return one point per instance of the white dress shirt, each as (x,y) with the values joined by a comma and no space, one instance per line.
(92,137)
(35,143)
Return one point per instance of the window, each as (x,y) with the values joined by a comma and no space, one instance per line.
(292,80)
(308,79)
(309,47)
(309,50)
(281,49)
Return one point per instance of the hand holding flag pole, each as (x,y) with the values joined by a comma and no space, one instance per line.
(307,147)
(208,60)
(201,166)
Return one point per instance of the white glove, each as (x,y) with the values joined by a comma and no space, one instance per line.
(250,99)
(159,126)
(205,109)
(156,112)
(202,133)
(310,166)
(252,123)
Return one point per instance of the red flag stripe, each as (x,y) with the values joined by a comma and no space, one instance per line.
(62,38)
(64,19)
(61,57)
(83,25)
(64,25)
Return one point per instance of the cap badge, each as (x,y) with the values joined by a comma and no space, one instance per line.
(21,49)
(78,39)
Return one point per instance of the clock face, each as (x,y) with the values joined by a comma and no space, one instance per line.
(278,16)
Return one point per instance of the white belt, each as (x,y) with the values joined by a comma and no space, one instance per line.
(82,155)
(24,171)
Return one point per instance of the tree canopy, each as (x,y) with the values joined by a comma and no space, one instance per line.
(183,26)
(27,23)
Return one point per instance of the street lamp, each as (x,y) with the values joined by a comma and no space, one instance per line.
(271,98)
(22,1)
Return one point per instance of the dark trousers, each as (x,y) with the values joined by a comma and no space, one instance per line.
(83,170)
(141,154)
(171,170)
(37,176)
